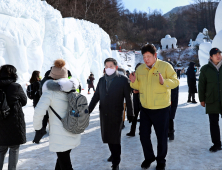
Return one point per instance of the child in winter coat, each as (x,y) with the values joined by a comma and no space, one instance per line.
(60,140)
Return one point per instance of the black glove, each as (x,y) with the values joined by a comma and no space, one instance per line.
(38,135)
(130,118)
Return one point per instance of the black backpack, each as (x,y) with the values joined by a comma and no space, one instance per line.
(4,108)
(89,81)
(30,92)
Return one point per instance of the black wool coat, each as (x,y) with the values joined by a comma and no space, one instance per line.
(191,78)
(13,129)
(38,92)
(111,107)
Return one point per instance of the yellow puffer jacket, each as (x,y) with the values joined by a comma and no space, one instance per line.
(153,95)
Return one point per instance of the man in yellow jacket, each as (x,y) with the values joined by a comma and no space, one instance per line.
(154,79)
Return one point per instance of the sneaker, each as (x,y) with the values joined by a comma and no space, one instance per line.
(89,93)
(188,101)
(110,159)
(194,102)
(160,166)
(115,167)
(146,163)
(130,134)
(215,148)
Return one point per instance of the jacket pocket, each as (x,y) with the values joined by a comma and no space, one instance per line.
(161,99)
(210,96)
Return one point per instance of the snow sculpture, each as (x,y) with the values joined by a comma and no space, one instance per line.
(33,34)
(202,37)
(168,42)
(203,52)
(191,43)
(217,41)
(218,23)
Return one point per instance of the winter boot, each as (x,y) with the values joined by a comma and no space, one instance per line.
(132,131)
(146,163)
(130,134)
(160,166)
(115,167)
(38,135)
(215,148)
(89,93)
(193,98)
(189,98)
(171,135)
(110,159)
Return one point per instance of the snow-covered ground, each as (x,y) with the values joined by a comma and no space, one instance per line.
(189,150)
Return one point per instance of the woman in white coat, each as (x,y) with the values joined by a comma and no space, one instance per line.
(60,140)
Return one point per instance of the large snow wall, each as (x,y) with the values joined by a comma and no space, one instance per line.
(33,34)
(205,47)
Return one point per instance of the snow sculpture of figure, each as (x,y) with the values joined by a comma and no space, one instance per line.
(169,42)
(205,47)
(20,45)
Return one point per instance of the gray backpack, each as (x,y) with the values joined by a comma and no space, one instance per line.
(77,117)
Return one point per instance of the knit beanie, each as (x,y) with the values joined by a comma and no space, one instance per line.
(59,71)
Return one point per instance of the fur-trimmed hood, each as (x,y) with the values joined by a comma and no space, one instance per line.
(64,84)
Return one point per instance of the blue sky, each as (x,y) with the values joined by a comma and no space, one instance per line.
(164,5)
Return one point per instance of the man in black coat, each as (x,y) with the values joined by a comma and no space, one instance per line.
(111,91)
(191,80)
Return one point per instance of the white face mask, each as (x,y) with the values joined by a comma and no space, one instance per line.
(110,71)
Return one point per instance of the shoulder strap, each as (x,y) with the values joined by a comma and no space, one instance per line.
(55,113)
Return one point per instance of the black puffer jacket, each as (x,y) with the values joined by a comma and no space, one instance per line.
(191,78)
(12,129)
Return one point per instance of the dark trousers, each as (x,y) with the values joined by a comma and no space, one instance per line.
(215,129)
(191,95)
(63,161)
(159,119)
(115,150)
(137,107)
(92,88)
(13,156)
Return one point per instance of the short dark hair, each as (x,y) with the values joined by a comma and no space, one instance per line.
(122,70)
(148,48)
(8,71)
(112,60)
(137,65)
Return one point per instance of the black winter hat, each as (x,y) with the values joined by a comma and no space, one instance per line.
(214,51)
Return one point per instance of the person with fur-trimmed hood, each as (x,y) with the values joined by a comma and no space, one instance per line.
(54,95)
(111,90)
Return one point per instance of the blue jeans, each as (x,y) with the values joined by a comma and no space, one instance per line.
(13,156)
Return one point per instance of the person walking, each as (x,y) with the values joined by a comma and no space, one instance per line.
(136,107)
(13,127)
(35,81)
(191,80)
(154,80)
(54,95)
(183,72)
(210,95)
(111,91)
(90,82)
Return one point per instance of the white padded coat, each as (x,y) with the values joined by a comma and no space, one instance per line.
(60,140)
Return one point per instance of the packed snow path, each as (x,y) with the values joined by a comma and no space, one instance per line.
(189,150)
